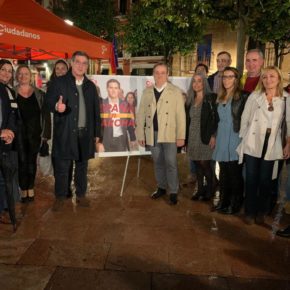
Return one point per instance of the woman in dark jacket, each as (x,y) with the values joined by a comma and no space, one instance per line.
(36,126)
(201,135)
(60,69)
(231,102)
(7,135)
(8,99)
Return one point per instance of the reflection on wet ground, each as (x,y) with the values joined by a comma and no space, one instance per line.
(133,242)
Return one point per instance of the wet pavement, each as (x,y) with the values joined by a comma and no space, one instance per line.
(133,242)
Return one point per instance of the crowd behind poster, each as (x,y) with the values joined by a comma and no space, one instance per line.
(119,100)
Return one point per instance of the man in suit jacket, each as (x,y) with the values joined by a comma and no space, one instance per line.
(161,125)
(74,101)
(117,120)
(223,60)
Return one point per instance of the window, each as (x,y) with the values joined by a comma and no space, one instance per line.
(123,7)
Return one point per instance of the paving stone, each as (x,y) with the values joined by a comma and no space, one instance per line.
(14,277)
(258,284)
(73,279)
(115,280)
(131,257)
(185,282)
(66,253)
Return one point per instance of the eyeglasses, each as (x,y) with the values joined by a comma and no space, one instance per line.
(228,77)
(270,107)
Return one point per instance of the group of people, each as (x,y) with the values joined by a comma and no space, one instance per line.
(237,122)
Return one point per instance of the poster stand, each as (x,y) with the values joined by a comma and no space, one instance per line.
(125,173)
(128,155)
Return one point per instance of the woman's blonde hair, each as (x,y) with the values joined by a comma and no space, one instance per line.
(236,89)
(279,89)
(19,68)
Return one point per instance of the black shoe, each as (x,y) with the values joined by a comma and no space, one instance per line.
(24,199)
(69,194)
(30,198)
(158,193)
(197,196)
(284,233)
(205,197)
(260,219)
(249,220)
(219,206)
(173,199)
(227,210)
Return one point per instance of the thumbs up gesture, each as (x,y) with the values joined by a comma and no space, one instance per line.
(60,106)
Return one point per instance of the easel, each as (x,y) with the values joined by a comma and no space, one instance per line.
(128,154)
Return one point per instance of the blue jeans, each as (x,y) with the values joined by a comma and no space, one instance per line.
(258,185)
(165,165)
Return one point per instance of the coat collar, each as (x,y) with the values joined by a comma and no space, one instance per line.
(73,79)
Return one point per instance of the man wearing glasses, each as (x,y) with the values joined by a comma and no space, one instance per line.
(74,101)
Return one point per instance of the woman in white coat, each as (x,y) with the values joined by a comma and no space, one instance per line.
(261,142)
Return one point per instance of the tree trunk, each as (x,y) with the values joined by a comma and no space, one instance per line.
(241,41)
(276,50)
(168,59)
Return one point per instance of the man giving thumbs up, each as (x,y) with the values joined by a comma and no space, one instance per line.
(60,106)
(74,100)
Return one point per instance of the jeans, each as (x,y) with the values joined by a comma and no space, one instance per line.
(258,185)
(165,165)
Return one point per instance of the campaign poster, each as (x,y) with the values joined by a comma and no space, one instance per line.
(119,101)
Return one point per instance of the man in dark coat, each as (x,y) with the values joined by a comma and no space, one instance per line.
(222,61)
(74,100)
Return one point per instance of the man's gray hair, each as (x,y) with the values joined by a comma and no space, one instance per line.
(257,50)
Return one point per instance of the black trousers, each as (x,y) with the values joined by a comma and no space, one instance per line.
(70,173)
(62,180)
(231,184)
(63,172)
(27,163)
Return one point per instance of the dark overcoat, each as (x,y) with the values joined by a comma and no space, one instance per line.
(8,116)
(65,125)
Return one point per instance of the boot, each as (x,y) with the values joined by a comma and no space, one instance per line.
(200,188)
